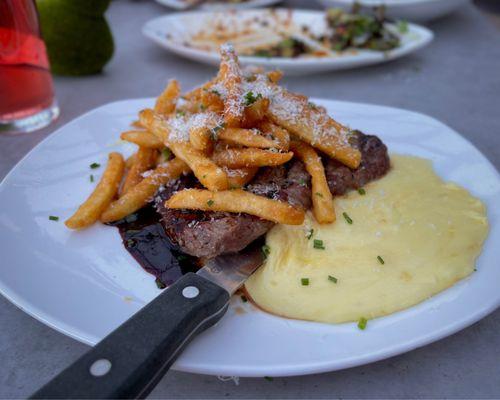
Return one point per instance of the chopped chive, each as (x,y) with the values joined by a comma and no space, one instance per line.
(203,107)
(181,257)
(244,299)
(333,279)
(251,98)
(130,242)
(160,284)
(180,113)
(319,194)
(318,244)
(204,176)
(166,153)
(310,234)
(302,182)
(361,191)
(91,178)
(347,218)
(362,323)
(304,281)
(95,165)
(266,250)
(268,378)
(312,106)
(381,260)
(53,218)
(215,92)
(210,203)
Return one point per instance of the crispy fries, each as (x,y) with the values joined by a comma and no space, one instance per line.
(144,160)
(311,124)
(230,77)
(275,75)
(247,137)
(166,102)
(240,177)
(154,124)
(322,199)
(237,201)
(208,173)
(90,211)
(201,139)
(277,133)
(255,112)
(143,139)
(139,195)
(130,161)
(250,157)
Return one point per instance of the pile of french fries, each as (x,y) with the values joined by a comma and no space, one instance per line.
(222,132)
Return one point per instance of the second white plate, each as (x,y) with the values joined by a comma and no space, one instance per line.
(173,32)
(85,284)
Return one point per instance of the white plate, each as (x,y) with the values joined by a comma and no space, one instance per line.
(413,10)
(85,284)
(172,31)
(181,5)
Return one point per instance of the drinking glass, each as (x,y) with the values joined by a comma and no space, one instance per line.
(27,99)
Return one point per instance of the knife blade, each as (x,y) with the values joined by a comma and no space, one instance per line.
(129,362)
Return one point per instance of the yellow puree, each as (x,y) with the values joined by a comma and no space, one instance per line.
(427,232)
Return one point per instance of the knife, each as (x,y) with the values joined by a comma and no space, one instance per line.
(130,361)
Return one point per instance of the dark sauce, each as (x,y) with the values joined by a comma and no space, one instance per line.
(145,239)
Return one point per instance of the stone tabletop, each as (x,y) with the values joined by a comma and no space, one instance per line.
(456,80)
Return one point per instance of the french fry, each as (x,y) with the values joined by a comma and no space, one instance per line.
(230,77)
(250,157)
(201,139)
(166,102)
(322,198)
(275,75)
(278,133)
(136,124)
(255,112)
(246,137)
(237,201)
(154,124)
(240,177)
(130,161)
(90,211)
(313,125)
(208,173)
(211,100)
(143,139)
(139,195)
(144,160)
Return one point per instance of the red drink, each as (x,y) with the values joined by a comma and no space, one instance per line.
(26,92)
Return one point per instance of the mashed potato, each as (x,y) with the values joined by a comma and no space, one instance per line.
(412,235)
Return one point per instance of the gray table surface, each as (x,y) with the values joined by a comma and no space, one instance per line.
(456,79)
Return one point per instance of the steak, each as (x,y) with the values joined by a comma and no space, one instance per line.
(207,234)
(374,164)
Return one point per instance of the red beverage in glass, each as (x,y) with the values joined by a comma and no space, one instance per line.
(26,93)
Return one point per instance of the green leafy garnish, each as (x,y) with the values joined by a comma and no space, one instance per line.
(210,203)
(319,194)
(361,191)
(203,107)
(91,178)
(160,284)
(347,218)
(215,92)
(251,98)
(333,279)
(362,323)
(318,244)
(266,250)
(310,234)
(180,113)
(380,260)
(95,165)
(53,218)
(166,153)
(304,281)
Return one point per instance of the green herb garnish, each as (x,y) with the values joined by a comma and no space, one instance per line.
(361,191)
(333,279)
(244,299)
(266,250)
(53,218)
(203,107)
(380,260)
(347,218)
(304,281)
(362,323)
(312,106)
(130,242)
(216,129)
(318,244)
(160,284)
(251,98)
(268,378)
(215,92)
(166,153)
(310,234)
(95,165)
(180,113)
(210,203)
(91,178)
(319,194)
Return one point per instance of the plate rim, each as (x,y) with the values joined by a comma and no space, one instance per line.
(285,370)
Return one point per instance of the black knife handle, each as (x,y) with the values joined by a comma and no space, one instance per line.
(140,351)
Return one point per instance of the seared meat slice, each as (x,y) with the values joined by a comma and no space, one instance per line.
(374,164)
(210,233)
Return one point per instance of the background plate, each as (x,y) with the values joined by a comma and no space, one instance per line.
(171,32)
(181,5)
(85,284)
